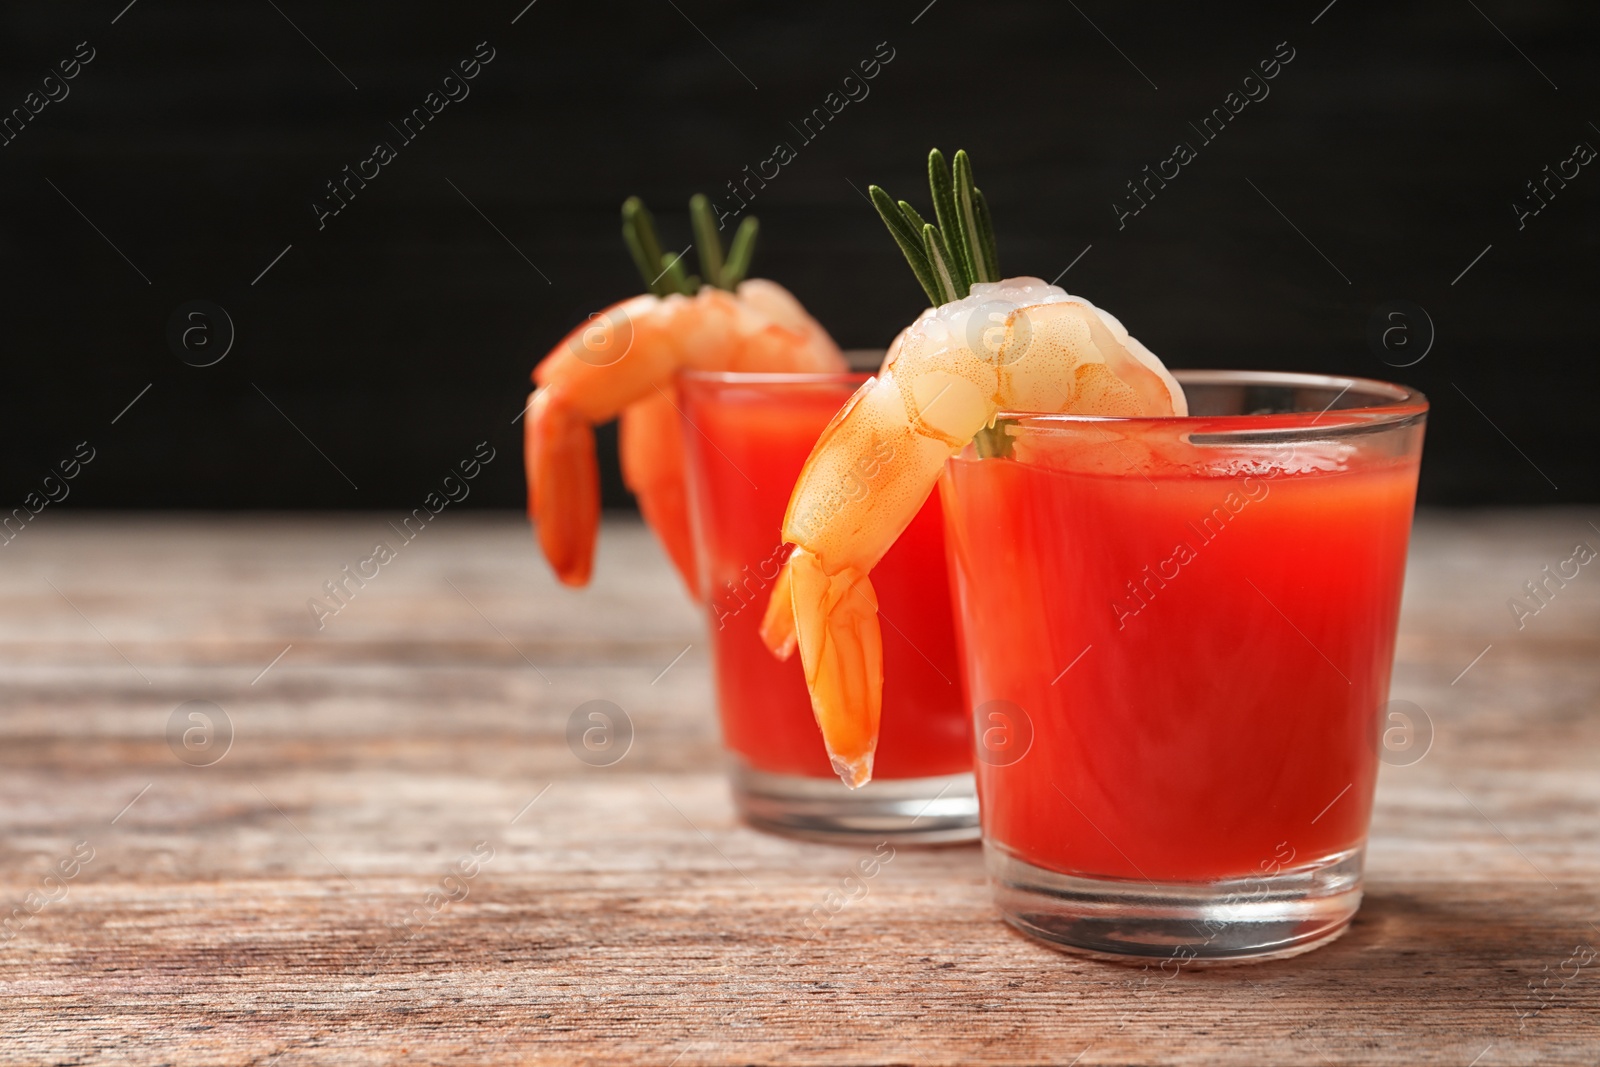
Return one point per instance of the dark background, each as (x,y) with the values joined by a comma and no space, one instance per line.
(402,334)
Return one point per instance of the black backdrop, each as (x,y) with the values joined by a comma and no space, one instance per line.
(1383,164)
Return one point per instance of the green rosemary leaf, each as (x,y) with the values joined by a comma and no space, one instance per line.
(639,231)
(673,273)
(944,210)
(706,241)
(995,442)
(943,269)
(917,224)
(740,249)
(890,213)
(909,240)
(971,235)
(914,220)
(947,258)
(980,211)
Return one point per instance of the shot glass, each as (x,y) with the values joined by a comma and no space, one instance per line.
(1177,636)
(746,437)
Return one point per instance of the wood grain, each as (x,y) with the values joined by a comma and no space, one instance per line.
(243,912)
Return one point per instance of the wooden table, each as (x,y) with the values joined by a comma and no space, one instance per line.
(244,912)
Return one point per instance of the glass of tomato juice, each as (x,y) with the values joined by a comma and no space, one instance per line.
(746,437)
(1176,637)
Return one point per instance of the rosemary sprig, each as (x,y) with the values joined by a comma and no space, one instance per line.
(664,273)
(948,259)
(960,250)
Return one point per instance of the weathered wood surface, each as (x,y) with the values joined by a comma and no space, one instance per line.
(240,913)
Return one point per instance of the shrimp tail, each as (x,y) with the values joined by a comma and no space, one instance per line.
(841,649)
(563,484)
(651,451)
(777,624)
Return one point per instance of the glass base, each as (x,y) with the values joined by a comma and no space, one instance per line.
(912,811)
(1268,917)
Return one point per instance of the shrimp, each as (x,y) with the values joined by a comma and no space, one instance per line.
(622,362)
(1013,345)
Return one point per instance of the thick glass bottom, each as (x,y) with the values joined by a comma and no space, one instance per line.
(928,811)
(1257,918)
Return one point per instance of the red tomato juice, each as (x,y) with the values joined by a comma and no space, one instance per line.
(1177,671)
(747,437)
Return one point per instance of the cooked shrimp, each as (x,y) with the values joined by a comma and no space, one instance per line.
(986,346)
(621,362)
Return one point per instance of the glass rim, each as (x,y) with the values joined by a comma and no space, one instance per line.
(801,377)
(1391,405)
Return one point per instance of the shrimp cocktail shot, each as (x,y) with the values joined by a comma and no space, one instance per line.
(747,436)
(1176,599)
(722,385)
